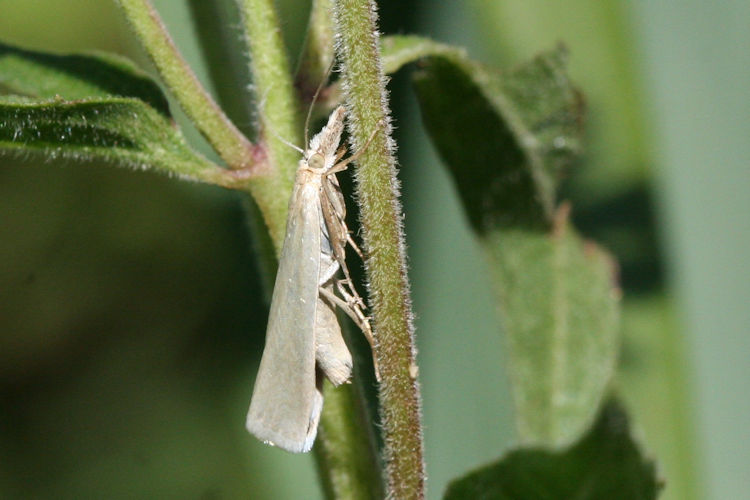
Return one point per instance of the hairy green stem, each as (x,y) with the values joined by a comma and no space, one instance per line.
(278,116)
(226,56)
(224,137)
(318,54)
(344,449)
(377,192)
(272,84)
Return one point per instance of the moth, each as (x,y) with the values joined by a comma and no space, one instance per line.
(303,338)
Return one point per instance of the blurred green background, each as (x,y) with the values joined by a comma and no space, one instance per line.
(132,318)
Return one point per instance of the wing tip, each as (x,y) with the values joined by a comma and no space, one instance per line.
(278,439)
(287,434)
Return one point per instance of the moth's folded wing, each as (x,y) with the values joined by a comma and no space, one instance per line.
(285,406)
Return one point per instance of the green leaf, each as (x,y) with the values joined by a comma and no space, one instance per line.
(505,137)
(652,379)
(400,50)
(73,77)
(92,107)
(123,131)
(560,310)
(606,463)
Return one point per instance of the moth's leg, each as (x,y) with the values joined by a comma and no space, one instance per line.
(333,258)
(345,287)
(332,205)
(338,235)
(334,213)
(339,259)
(326,274)
(347,290)
(352,298)
(354,312)
(342,304)
(352,309)
(340,154)
(334,199)
(331,353)
(356,249)
(341,165)
(347,279)
(329,267)
(330,264)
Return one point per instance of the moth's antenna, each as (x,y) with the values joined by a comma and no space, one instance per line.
(302,151)
(268,127)
(315,98)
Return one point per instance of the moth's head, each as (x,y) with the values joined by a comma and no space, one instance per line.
(316,161)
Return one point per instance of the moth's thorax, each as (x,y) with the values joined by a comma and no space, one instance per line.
(307,175)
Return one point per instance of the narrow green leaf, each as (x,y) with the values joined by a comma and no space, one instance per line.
(39,74)
(606,463)
(123,131)
(561,322)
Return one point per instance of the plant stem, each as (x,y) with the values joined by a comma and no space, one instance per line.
(224,137)
(226,56)
(381,215)
(277,113)
(318,55)
(344,450)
